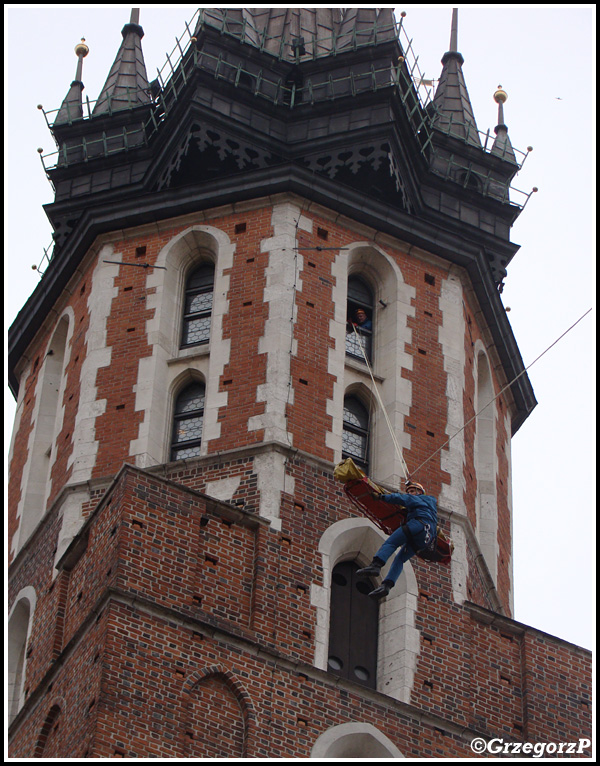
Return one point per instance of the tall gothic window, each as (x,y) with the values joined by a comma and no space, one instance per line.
(198,306)
(485,463)
(188,421)
(48,419)
(354,619)
(359,316)
(18,629)
(355,434)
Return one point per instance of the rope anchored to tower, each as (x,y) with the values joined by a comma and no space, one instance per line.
(397,449)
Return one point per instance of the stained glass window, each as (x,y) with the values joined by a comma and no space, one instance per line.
(188,421)
(355,436)
(198,306)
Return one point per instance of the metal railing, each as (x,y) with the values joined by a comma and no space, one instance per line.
(175,72)
(405,77)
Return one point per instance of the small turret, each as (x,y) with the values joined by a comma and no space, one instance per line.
(502,146)
(127,83)
(453,113)
(72,106)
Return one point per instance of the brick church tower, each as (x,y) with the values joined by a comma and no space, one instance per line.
(182,561)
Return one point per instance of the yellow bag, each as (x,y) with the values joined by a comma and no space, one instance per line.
(347,470)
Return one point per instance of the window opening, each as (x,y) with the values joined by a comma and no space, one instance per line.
(360,315)
(198,306)
(355,435)
(188,422)
(353,627)
(18,627)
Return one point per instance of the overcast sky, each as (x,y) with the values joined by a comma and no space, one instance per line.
(544,57)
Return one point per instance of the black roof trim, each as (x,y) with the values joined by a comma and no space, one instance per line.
(427,234)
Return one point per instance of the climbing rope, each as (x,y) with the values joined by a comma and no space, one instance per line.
(382,406)
(508,385)
(433,454)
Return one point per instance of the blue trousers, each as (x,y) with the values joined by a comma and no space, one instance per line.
(421,532)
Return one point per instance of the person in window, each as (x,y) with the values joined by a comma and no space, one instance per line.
(362,320)
(416,534)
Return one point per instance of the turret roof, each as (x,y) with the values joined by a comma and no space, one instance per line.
(72,107)
(322,30)
(453,113)
(127,83)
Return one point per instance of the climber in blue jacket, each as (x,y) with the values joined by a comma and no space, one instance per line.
(417,533)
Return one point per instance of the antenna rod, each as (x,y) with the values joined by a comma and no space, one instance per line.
(139,265)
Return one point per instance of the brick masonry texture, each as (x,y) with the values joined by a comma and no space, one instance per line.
(178,625)
(187,633)
(307,417)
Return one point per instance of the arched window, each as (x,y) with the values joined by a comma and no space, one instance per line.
(19,625)
(48,416)
(354,740)
(485,465)
(48,744)
(353,626)
(360,315)
(188,421)
(355,436)
(356,540)
(198,306)
(205,729)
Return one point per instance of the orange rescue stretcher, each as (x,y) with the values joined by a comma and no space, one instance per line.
(359,489)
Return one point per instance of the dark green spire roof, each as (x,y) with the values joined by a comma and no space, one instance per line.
(453,113)
(315,32)
(127,83)
(502,146)
(72,107)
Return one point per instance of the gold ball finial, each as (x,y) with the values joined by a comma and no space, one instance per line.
(81,48)
(500,96)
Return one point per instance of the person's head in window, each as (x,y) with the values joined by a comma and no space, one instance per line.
(362,320)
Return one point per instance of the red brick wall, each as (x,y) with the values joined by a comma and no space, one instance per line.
(34,569)
(243,327)
(308,420)
(176,607)
(17,460)
(146,671)
(61,471)
(216,726)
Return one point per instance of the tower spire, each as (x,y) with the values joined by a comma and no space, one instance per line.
(72,107)
(502,146)
(127,83)
(453,113)
(454,32)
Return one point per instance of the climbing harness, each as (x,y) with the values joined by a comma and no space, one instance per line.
(363,492)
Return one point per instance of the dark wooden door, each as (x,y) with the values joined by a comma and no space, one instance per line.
(353,627)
